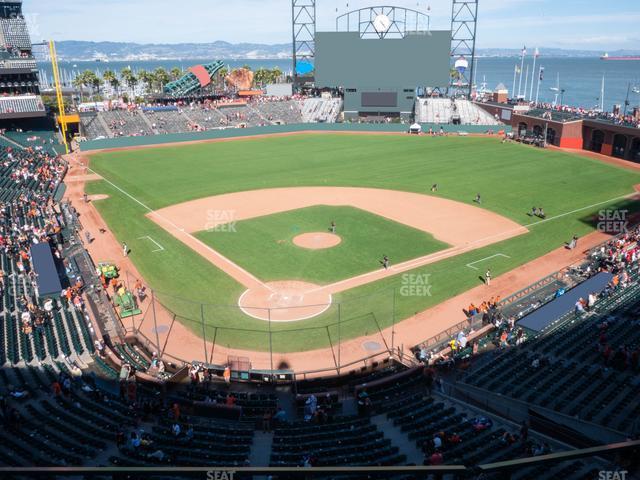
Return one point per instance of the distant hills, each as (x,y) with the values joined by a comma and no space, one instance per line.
(80,50)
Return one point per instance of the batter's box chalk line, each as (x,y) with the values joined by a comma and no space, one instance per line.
(471,265)
(160,247)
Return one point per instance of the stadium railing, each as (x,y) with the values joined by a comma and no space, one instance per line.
(504,468)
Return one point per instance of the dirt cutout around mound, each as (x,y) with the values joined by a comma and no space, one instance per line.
(317,240)
(179,343)
(465,227)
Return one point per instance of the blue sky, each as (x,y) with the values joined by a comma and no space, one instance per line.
(574,24)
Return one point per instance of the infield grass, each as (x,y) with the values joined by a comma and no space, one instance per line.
(264,245)
(512,178)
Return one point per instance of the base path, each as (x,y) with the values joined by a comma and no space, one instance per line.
(179,343)
(454,223)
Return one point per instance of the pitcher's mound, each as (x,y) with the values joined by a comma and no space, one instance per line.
(286,301)
(317,240)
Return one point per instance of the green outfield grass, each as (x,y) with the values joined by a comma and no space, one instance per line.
(264,246)
(511,178)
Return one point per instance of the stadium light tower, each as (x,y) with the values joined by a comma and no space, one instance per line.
(303,20)
(464,21)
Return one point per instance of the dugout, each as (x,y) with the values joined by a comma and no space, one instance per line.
(44,265)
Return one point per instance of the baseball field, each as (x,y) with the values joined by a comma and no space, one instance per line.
(213,225)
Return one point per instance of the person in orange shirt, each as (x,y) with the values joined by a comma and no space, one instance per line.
(503,339)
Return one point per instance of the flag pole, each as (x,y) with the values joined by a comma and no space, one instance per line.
(515,72)
(539,80)
(524,52)
(526,83)
(533,73)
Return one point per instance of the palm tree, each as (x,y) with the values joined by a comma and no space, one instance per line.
(109,76)
(146,79)
(79,82)
(276,73)
(261,76)
(129,79)
(221,75)
(161,77)
(96,82)
(175,73)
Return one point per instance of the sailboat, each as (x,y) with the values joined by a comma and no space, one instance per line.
(483,86)
(624,57)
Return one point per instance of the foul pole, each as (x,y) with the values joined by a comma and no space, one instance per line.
(60,99)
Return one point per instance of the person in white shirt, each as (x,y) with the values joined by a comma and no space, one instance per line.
(591,300)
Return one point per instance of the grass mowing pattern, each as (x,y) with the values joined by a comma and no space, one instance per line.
(264,246)
(511,178)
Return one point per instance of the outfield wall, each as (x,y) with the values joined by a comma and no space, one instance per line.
(127,142)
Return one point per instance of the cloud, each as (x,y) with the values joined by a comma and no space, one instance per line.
(505,23)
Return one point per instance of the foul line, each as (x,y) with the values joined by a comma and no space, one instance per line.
(472,245)
(486,258)
(180,229)
(160,247)
(580,210)
(404,266)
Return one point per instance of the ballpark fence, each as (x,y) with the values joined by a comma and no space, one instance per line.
(217,333)
(147,140)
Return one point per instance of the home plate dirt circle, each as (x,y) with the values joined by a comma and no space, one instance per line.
(285,301)
(317,240)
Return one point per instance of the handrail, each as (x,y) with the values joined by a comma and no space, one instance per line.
(559,457)
(311,472)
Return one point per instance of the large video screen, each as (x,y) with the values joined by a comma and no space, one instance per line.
(379,99)
(343,59)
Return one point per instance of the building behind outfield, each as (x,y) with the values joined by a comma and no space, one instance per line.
(380,76)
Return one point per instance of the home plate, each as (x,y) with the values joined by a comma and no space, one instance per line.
(284,301)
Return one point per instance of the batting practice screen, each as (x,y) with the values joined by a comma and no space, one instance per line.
(343,59)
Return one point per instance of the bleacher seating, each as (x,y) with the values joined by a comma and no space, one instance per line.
(21,104)
(572,377)
(321,110)
(44,140)
(348,441)
(124,123)
(94,128)
(188,118)
(443,110)
(61,409)
(14,32)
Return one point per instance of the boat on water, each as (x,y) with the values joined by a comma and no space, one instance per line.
(627,57)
